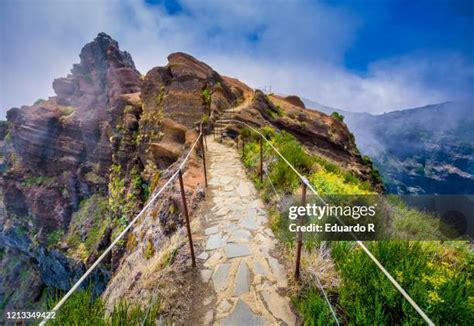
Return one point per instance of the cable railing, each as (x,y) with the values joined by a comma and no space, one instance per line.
(177,174)
(307,184)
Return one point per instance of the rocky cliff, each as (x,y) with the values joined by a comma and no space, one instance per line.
(80,165)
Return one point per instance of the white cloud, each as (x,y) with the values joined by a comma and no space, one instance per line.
(297,48)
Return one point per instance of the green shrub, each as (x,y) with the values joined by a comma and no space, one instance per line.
(366,160)
(54,237)
(82,309)
(39,101)
(68,110)
(247,134)
(206,95)
(338,116)
(438,277)
(37,181)
(21,230)
(313,308)
(268,132)
(149,249)
(282,176)
(294,152)
(280,111)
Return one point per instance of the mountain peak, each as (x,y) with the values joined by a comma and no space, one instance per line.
(103,69)
(183,64)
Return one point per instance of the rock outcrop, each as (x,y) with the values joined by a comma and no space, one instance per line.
(295,100)
(58,154)
(321,134)
(181,95)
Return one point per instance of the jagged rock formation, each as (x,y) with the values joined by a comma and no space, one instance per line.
(65,138)
(58,154)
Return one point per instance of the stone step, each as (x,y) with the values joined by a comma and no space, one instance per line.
(242,280)
(242,315)
(220,278)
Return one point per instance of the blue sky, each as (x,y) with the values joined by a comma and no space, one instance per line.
(372,56)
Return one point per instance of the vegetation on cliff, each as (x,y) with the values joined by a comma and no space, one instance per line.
(83,309)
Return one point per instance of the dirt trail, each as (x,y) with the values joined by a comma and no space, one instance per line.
(243,280)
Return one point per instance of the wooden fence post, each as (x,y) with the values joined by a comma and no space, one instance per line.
(204,159)
(186,215)
(300,235)
(261,159)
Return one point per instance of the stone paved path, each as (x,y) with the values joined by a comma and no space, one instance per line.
(237,264)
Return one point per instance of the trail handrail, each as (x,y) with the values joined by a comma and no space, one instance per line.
(127,228)
(305,181)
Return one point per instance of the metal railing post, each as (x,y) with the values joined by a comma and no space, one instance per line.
(186,215)
(204,160)
(300,235)
(261,159)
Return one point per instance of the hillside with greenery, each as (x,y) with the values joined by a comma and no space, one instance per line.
(437,275)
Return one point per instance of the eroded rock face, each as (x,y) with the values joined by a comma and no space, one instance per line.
(177,97)
(45,267)
(59,153)
(63,139)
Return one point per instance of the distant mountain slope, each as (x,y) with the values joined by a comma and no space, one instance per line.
(421,150)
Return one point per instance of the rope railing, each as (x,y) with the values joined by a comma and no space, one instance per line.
(177,173)
(307,184)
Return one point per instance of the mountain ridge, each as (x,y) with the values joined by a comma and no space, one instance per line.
(419,150)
